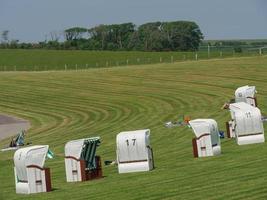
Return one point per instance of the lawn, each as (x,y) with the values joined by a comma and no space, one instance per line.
(66,105)
(44,60)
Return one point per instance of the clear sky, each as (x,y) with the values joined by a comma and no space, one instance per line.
(32,20)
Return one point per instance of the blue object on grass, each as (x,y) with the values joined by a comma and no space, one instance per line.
(221,134)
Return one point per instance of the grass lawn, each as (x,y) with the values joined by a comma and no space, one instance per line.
(44,60)
(66,105)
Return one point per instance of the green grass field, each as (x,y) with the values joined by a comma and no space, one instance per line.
(44,60)
(249,41)
(68,105)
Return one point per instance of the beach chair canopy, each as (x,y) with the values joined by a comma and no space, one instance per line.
(83,149)
(34,155)
(206,126)
(133,145)
(245,94)
(247,119)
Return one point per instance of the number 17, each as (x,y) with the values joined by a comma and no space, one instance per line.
(134,141)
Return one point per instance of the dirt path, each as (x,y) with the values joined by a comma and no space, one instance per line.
(10,126)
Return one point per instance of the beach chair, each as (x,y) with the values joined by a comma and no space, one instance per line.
(19,140)
(30,174)
(134,153)
(246,94)
(81,162)
(207,139)
(246,124)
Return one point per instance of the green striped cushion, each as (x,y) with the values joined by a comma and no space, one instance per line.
(89,151)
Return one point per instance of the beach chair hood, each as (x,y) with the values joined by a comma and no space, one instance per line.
(246,94)
(34,155)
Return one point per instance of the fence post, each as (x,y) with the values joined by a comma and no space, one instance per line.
(127,61)
(65,67)
(196,56)
(106,63)
(171,59)
(208,51)
(86,66)
(160,59)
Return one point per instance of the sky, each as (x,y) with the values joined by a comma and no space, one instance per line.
(34,20)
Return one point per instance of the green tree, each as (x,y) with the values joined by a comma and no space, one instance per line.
(150,36)
(112,37)
(4,36)
(182,35)
(75,33)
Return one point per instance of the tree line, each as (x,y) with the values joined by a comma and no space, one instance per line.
(154,36)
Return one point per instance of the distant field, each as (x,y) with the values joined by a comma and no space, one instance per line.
(249,41)
(102,102)
(43,60)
